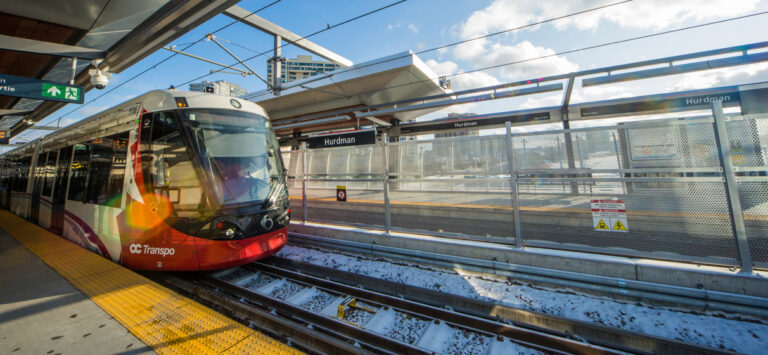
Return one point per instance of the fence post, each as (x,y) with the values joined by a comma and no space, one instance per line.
(385,154)
(731,187)
(618,162)
(513,185)
(304,180)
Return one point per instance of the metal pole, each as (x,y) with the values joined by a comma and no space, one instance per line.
(304,179)
(276,61)
(450,159)
(732,189)
(513,185)
(524,155)
(385,154)
(618,161)
(74,71)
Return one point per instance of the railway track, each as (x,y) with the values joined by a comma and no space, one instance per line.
(316,309)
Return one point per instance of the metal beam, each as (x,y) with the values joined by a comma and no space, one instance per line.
(380,122)
(464,100)
(4,112)
(259,23)
(677,69)
(206,60)
(44,128)
(253,72)
(315,122)
(34,46)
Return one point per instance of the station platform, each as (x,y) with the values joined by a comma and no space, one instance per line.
(59,298)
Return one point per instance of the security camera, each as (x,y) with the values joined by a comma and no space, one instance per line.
(99,77)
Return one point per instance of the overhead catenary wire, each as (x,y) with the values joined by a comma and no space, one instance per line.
(327,28)
(154,66)
(606,44)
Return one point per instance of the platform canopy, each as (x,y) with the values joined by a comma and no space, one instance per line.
(320,102)
(38,38)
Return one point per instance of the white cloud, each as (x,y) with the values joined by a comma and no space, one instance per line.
(592,93)
(645,14)
(722,77)
(411,27)
(483,53)
(463,81)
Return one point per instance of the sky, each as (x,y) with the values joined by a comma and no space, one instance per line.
(420,25)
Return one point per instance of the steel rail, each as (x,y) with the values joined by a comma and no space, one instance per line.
(532,338)
(347,330)
(613,338)
(279,327)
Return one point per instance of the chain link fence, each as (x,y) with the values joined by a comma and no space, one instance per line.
(668,176)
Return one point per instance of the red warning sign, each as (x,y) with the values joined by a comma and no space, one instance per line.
(341,193)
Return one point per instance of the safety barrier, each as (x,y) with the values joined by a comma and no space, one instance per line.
(664,189)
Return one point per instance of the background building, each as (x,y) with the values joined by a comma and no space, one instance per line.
(219,87)
(301,67)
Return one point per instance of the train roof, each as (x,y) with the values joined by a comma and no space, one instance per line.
(120,117)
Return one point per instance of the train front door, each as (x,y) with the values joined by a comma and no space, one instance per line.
(60,189)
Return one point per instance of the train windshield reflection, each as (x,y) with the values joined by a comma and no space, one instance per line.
(239,153)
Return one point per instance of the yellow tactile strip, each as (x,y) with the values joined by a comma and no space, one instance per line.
(161,318)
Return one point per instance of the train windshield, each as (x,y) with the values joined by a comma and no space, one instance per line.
(239,153)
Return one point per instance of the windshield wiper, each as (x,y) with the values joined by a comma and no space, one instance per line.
(274,190)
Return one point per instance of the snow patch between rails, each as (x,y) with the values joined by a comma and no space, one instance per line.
(714,330)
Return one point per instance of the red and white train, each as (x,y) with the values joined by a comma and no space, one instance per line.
(170,180)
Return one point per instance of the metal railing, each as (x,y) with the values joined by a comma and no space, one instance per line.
(687,196)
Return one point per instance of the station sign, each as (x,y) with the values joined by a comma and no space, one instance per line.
(669,103)
(474,121)
(342,139)
(5,136)
(18,86)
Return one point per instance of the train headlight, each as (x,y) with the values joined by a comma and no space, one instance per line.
(267,223)
(230,232)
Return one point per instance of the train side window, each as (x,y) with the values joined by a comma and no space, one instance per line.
(62,175)
(22,174)
(117,172)
(97,187)
(172,172)
(50,172)
(79,172)
(42,159)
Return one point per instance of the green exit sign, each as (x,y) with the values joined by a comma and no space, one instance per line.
(61,92)
(11,85)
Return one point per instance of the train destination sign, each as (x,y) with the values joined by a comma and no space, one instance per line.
(343,139)
(474,121)
(5,136)
(18,86)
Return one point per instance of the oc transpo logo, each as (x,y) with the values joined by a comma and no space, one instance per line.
(146,249)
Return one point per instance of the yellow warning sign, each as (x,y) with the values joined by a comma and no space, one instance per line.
(602,225)
(619,226)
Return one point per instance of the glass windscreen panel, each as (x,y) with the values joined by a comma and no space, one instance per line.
(239,151)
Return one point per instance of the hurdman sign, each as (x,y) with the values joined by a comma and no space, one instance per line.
(343,139)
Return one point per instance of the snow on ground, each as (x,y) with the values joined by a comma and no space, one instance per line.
(749,337)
